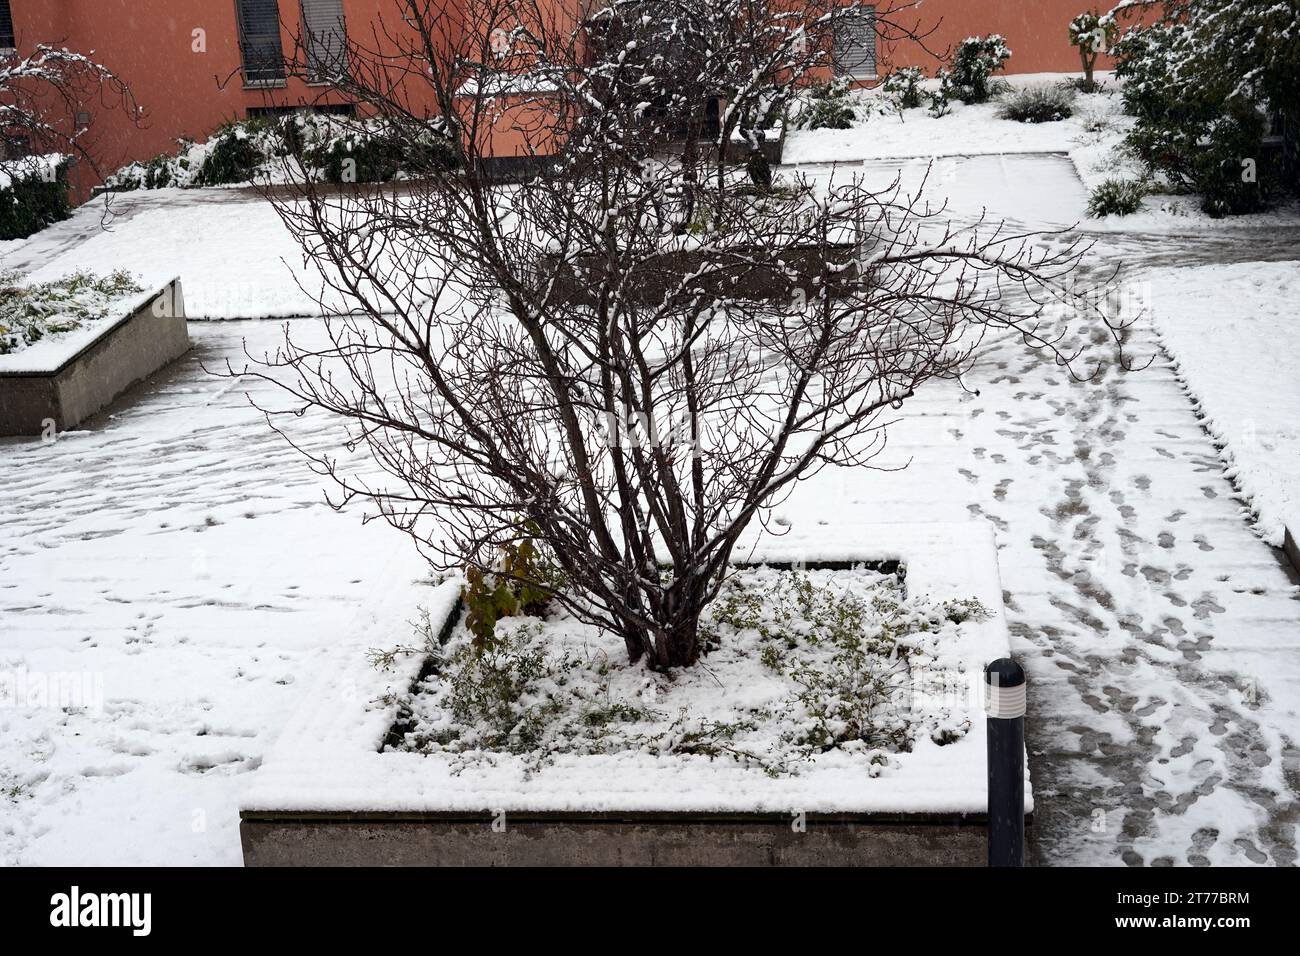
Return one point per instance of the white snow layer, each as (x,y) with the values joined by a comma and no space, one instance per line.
(328,758)
(1231,330)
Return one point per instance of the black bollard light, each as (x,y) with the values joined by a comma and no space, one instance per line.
(1004,704)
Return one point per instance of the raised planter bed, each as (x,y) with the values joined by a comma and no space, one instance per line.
(772,146)
(327,795)
(740,273)
(61,382)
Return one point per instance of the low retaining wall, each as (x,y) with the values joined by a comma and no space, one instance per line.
(668,839)
(128,350)
(742,273)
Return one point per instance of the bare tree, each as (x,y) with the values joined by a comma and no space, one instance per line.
(41,96)
(553,357)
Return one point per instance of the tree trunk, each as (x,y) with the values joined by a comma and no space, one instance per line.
(664,648)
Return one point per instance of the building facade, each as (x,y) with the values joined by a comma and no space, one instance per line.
(194,64)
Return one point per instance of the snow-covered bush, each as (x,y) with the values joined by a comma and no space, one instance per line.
(335,149)
(160,172)
(41,97)
(33,195)
(904,87)
(829,106)
(1199,82)
(234,154)
(1116,197)
(799,664)
(1092,34)
(370,151)
(237,152)
(29,313)
(1041,103)
(968,75)
(503,364)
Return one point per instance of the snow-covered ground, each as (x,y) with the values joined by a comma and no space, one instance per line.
(233,253)
(1231,330)
(176,562)
(1090,138)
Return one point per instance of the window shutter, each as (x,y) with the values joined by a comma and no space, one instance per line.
(6,26)
(259,40)
(854,52)
(324,37)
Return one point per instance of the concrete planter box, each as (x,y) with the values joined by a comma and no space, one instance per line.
(737,274)
(327,795)
(772,146)
(78,375)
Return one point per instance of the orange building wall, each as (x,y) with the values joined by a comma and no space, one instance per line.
(1036,30)
(151,45)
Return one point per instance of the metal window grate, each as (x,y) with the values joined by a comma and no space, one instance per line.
(854,44)
(325,39)
(259,40)
(6,26)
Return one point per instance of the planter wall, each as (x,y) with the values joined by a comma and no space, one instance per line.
(740,274)
(95,369)
(1291,549)
(683,839)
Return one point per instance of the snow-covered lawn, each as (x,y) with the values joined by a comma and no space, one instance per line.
(232,252)
(1090,138)
(175,572)
(1232,332)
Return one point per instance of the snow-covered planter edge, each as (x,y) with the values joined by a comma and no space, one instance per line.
(326,794)
(61,381)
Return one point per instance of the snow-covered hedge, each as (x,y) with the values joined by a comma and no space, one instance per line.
(1200,83)
(33,194)
(328,148)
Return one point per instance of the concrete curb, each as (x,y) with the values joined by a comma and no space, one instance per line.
(1291,549)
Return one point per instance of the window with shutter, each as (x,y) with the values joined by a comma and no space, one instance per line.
(6,26)
(854,52)
(324,38)
(259,40)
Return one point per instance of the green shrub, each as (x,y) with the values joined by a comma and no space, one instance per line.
(356,159)
(1196,136)
(1037,104)
(34,198)
(372,151)
(1116,197)
(968,74)
(233,155)
(28,313)
(829,107)
(904,87)
(523,586)
(1230,170)
(158,173)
